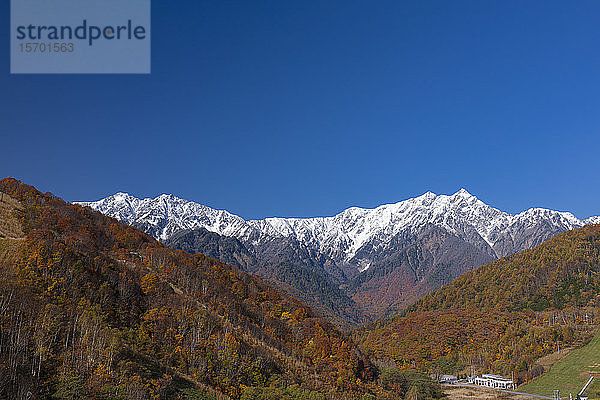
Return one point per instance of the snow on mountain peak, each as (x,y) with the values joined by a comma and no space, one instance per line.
(167,214)
(462,193)
(592,220)
(344,234)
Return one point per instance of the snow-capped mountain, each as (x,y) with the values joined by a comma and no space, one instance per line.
(166,215)
(343,235)
(387,255)
(592,220)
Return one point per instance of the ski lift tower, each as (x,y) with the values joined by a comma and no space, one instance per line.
(581,395)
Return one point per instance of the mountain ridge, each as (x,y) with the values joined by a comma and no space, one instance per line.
(374,258)
(427,208)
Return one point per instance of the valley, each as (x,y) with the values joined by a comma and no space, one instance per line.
(360,264)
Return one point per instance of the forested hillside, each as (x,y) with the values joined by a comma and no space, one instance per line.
(355,266)
(91,308)
(502,316)
(283,264)
(561,272)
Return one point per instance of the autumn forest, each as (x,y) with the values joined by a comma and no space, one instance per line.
(91,308)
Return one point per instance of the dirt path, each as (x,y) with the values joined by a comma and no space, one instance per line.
(551,359)
(472,393)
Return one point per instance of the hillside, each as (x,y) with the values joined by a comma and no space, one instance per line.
(561,272)
(92,308)
(283,263)
(571,373)
(358,264)
(502,316)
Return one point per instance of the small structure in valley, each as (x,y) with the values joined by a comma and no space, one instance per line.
(492,381)
(445,378)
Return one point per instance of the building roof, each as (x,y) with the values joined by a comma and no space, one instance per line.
(496,377)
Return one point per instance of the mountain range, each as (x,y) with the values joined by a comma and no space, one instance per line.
(359,263)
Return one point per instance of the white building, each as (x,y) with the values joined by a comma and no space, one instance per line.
(445,378)
(492,381)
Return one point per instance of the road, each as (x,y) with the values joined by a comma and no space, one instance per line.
(537,396)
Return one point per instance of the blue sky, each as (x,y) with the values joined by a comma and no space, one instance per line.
(306,108)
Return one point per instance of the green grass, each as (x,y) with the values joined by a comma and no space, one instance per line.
(570,374)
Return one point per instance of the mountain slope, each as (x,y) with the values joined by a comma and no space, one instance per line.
(560,272)
(226,249)
(503,315)
(92,308)
(412,265)
(361,261)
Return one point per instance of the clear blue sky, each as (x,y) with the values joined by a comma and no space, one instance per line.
(305,108)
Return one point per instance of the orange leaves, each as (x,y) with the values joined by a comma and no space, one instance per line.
(102,371)
(149,283)
(300,314)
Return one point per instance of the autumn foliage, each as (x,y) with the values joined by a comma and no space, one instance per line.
(502,316)
(93,309)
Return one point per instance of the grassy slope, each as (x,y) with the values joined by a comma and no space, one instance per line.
(570,374)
